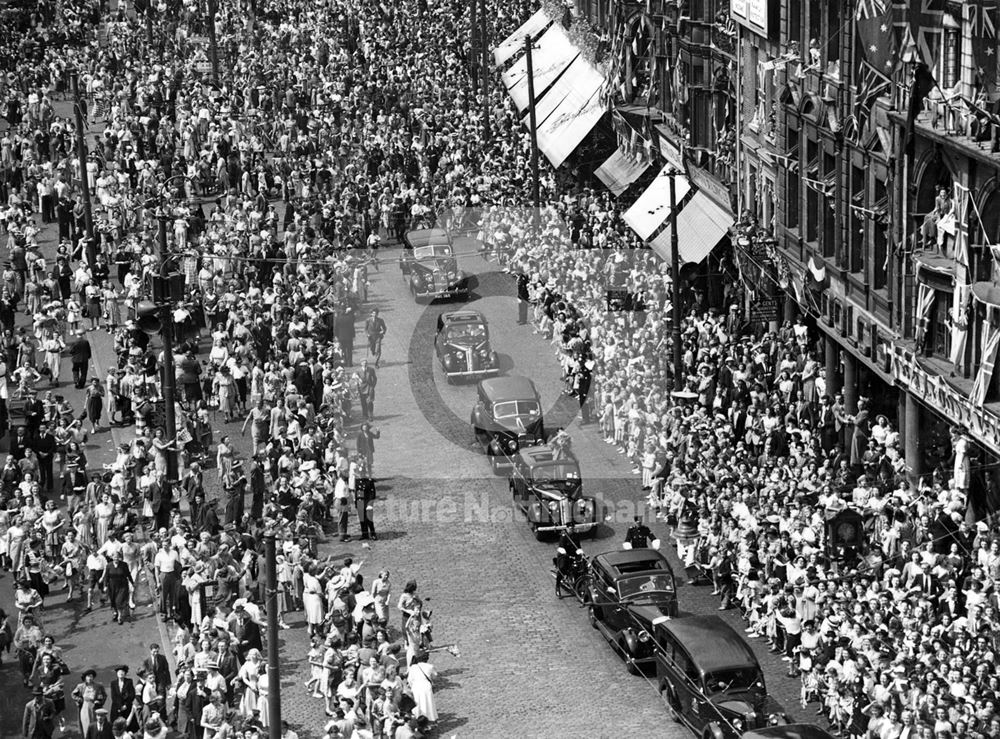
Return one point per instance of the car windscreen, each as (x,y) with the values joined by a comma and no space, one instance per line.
(466,331)
(511,408)
(640,586)
(743,678)
(432,252)
(556,472)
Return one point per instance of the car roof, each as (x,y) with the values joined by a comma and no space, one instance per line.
(618,558)
(426,236)
(542,454)
(513,387)
(789,731)
(712,643)
(462,316)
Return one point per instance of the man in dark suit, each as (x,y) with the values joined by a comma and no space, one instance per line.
(122,693)
(523,296)
(156,666)
(246,632)
(80,354)
(366,379)
(39,720)
(375,329)
(365,445)
(343,328)
(229,664)
(101,728)
(197,698)
(34,411)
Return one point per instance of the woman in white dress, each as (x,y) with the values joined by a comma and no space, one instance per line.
(420,676)
(249,675)
(312,600)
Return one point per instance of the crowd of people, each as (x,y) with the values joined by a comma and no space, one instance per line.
(336,125)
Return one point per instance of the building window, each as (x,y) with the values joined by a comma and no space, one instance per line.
(880,251)
(828,212)
(795,21)
(834,33)
(812,196)
(951,60)
(856,237)
(792,199)
(941,339)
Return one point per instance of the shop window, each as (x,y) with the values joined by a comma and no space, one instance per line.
(940,331)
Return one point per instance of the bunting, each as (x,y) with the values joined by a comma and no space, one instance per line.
(981,16)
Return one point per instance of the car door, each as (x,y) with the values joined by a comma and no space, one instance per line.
(601,598)
(687,685)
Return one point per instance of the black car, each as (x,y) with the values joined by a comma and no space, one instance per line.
(631,592)
(711,679)
(463,345)
(548,488)
(420,238)
(506,417)
(432,268)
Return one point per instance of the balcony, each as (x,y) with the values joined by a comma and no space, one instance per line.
(952,123)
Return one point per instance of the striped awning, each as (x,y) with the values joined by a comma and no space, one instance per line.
(701,224)
(652,208)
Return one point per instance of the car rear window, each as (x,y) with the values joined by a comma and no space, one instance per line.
(642,565)
(556,472)
(642,585)
(429,252)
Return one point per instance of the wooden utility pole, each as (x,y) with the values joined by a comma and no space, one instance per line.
(485,69)
(536,198)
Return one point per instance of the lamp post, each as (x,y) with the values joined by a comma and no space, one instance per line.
(169,379)
(675,278)
(533,123)
(81,155)
(213,42)
(485,70)
(271,598)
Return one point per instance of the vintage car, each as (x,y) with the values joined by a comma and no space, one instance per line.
(788,731)
(420,238)
(630,592)
(711,679)
(548,488)
(431,267)
(463,345)
(506,417)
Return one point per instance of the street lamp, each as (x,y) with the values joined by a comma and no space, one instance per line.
(271,604)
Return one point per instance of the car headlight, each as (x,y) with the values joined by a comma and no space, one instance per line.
(417,278)
(644,636)
(737,724)
(512,444)
(553,506)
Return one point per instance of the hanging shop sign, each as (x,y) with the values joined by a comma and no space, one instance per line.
(936,393)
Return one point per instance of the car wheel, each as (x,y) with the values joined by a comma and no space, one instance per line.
(449,379)
(580,587)
(539,535)
(592,617)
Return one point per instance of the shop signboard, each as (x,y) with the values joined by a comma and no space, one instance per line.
(765,310)
(935,392)
(758,16)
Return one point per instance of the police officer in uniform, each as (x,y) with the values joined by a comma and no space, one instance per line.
(638,534)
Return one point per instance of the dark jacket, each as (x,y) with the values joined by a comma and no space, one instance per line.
(121,698)
(39,719)
(80,351)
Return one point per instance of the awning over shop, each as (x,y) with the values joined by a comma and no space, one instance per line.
(701,224)
(551,101)
(575,116)
(986,293)
(652,208)
(554,54)
(514,44)
(620,171)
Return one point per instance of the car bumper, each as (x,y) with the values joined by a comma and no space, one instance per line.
(450,292)
(577,526)
(487,372)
